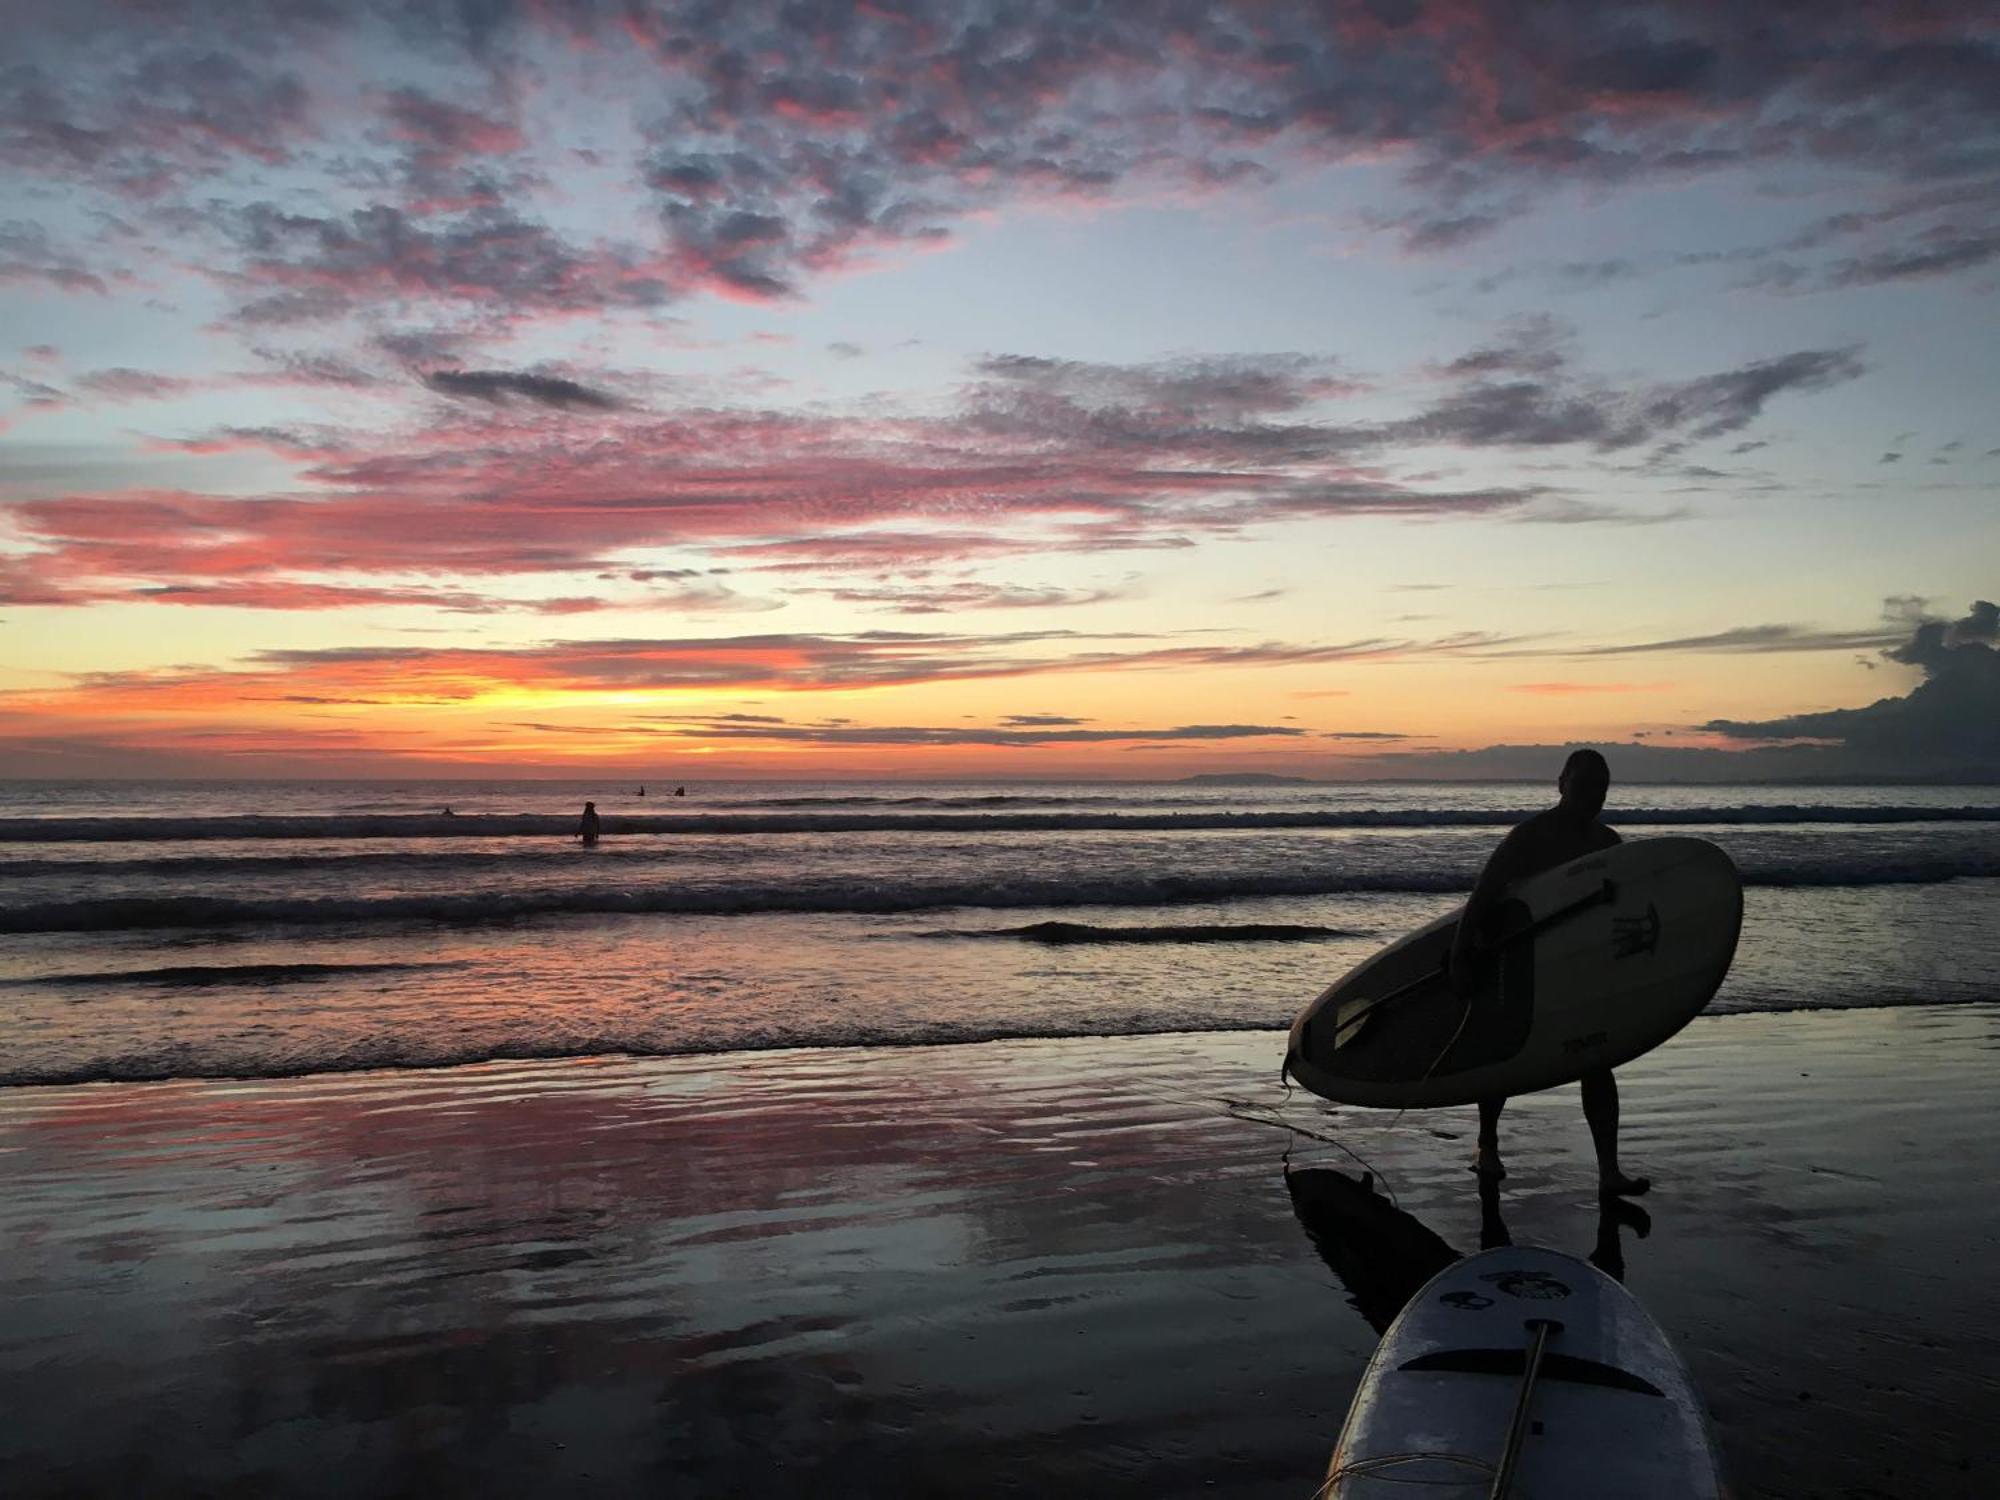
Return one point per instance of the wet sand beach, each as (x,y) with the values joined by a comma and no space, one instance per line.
(1029,1267)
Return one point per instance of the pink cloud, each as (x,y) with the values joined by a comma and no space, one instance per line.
(773,153)
(539,473)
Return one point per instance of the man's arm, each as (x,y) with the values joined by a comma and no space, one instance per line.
(1495,878)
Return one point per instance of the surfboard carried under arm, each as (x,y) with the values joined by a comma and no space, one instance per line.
(1598,960)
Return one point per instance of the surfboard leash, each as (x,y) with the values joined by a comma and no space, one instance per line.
(1383,1465)
(1235,1109)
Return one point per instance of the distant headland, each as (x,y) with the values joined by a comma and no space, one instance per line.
(1244,778)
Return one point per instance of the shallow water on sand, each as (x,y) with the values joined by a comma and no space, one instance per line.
(1057,1267)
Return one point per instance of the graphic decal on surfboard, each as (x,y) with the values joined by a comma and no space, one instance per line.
(1631,936)
(1534,1283)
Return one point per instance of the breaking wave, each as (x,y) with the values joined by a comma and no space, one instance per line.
(236,1059)
(406,1052)
(203,976)
(1062,933)
(884,897)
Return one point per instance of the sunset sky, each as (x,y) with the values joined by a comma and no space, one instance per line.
(976,389)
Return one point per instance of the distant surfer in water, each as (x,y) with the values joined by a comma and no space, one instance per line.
(586,828)
(1567,831)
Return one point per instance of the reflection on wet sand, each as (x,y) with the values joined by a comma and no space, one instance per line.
(1383,1256)
(805,1268)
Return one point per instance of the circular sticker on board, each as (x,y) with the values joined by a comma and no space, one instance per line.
(1537,1286)
(1466,1301)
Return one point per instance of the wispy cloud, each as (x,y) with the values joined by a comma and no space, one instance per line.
(951,598)
(503,385)
(1553,409)
(1751,640)
(1013,733)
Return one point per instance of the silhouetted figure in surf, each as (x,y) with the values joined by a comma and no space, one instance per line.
(642,791)
(586,828)
(680,791)
(1567,831)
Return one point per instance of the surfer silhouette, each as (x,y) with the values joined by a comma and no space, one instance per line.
(586,828)
(1553,837)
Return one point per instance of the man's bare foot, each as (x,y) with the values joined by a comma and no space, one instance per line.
(1614,1214)
(1618,1185)
(1488,1165)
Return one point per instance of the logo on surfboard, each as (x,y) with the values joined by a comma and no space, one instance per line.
(1537,1286)
(1631,936)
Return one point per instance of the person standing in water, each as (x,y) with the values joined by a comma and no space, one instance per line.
(586,828)
(1567,831)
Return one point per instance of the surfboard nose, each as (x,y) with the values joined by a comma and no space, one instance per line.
(1299,1066)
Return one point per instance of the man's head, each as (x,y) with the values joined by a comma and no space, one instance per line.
(1584,781)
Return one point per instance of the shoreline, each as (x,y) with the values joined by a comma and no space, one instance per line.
(892,1044)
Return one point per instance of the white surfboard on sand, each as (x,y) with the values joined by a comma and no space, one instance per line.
(1524,1373)
(1609,956)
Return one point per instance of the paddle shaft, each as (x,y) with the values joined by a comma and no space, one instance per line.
(1604,894)
(1517,1428)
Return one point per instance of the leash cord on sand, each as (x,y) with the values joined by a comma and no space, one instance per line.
(1376,1467)
(1250,1112)
(1236,1110)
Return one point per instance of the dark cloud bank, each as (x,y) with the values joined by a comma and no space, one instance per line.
(1952,717)
(1946,728)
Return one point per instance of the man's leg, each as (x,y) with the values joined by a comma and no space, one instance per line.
(1488,1163)
(1600,1108)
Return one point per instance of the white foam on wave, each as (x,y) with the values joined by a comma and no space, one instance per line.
(120,913)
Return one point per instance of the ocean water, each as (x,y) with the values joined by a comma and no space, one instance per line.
(153,930)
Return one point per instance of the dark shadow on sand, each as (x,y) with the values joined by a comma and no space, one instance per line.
(1383,1256)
